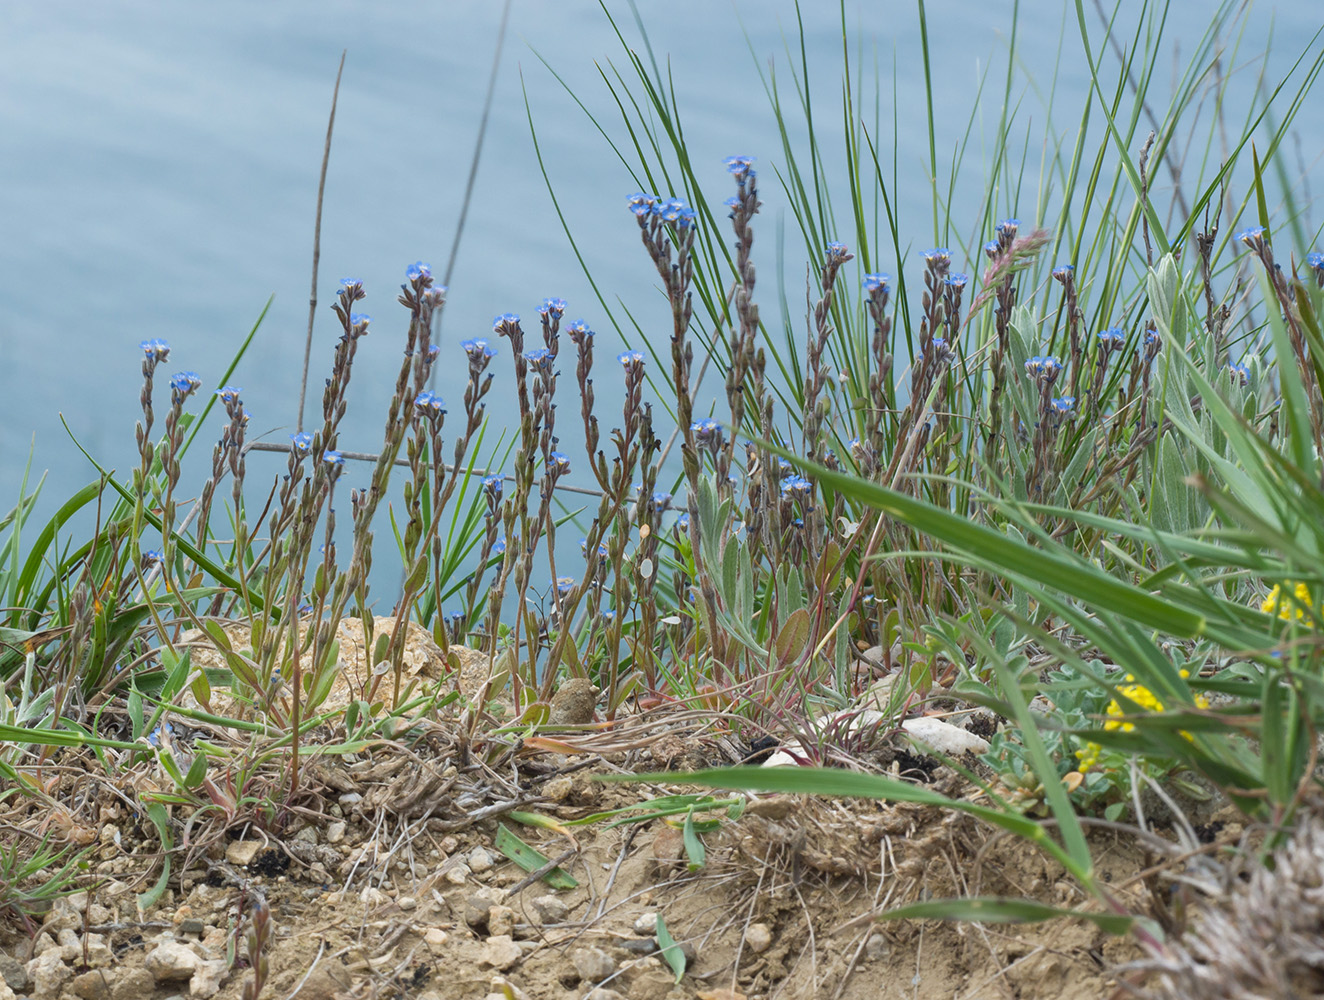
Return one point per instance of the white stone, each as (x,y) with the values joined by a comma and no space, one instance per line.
(758,937)
(171,961)
(206,980)
(47,974)
(501,920)
(458,875)
(550,909)
(593,964)
(479,860)
(335,833)
(241,852)
(944,737)
(646,923)
(435,937)
(500,952)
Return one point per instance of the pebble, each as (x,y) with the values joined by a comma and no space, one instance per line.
(13,973)
(458,875)
(944,737)
(573,703)
(500,952)
(593,964)
(550,909)
(435,936)
(877,947)
(170,961)
(335,832)
(758,937)
(241,852)
(406,902)
(501,921)
(479,860)
(350,799)
(47,975)
(646,923)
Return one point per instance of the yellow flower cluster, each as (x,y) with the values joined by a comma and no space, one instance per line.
(1142,696)
(1277,604)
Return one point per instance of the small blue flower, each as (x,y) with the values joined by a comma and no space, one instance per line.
(185,383)
(578,330)
(1112,339)
(1064,271)
(732,202)
(739,165)
(351,284)
(559,461)
(642,204)
(936,254)
(229,393)
(1151,338)
(1240,373)
(554,308)
(499,547)
(608,615)
(305,609)
(683,522)
(505,320)
(332,457)
(359,321)
(1315,261)
(494,483)
(301,442)
(876,282)
(1005,224)
(540,359)
(1044,368)
(428,403)
(686,217)
(669,210)
(564,584)
(157,350)
(435,295)
(662,500)
(602,548)
(991,248)
(706,430)
(630,359)
(1063,405)
(837,252)
(477,348)
(1249,235)
(160,733)
(418,270)
(153,556)
(433,351)
(957,280)
(796,486)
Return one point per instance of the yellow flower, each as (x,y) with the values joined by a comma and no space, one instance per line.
(1143,697)
(1277,604)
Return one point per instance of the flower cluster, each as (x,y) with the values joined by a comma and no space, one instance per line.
(1088,757)
(671,210)
(1043,368)
(1286,609)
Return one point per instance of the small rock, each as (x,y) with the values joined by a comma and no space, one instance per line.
(640,946)
(479,860)
(241,852)
(406,902)
(13,973)
(335,833)
(458,875)
(573,703)
(5,992)
(171,961)
(944,737)
(501,920)
(549,909)
(308,835)
(500,952)
(435,936)
(558,789)
(132,984)
(373,896)
(191,927)
(478,908)
(646,923)
(593,964)
(877,947)
(206,981)
(350,799)
(758,937)
(48,974)
(94,985)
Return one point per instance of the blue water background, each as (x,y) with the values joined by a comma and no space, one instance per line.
(159,165)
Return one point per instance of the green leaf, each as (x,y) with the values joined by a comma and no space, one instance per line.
(998,910)
(160,819)
(694,850)
(671,953)
(531,859)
